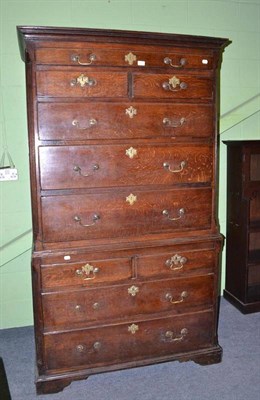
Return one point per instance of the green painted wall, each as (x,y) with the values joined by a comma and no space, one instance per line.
(238,20)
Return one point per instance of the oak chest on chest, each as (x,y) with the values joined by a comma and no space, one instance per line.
(123,158)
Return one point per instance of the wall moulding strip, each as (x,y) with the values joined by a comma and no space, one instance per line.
(15,247)
(240,113)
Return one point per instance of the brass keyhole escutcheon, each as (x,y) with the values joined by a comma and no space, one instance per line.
(131,199)
(130,58)
(133,290)
(131,152)
(133,328)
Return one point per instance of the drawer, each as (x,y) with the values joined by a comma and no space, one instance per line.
(74,309)
(125,56)
(81,83)
(158,265)
(83,274)
(110,214)
(81,121)
(70,167)
(176,264)
(166,86)
(132,341)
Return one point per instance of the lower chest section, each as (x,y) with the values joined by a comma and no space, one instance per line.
(126,307)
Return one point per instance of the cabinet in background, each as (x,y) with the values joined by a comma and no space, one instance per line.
(243,225)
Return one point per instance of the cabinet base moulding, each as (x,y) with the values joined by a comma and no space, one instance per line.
(245,308)
(47,384)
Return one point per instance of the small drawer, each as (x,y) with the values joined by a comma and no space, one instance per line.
(86,121)
(113,55)
(85,274)
(81,83)
(93,166)
(132,341)
(75,309)
(125,213)
(166,86)
(176,264)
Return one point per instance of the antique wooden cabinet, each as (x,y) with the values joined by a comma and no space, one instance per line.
(243,225)
(123,156)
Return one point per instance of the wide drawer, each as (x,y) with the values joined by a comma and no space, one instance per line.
(81,121)
(79,83)
(74,309)
(166,86)
(124,56)
(132,341)
(159,265)
(122,213)
(66,167)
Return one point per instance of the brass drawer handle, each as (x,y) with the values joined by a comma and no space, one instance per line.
(97,346)
(76,58)
(176,262)
(180,169)
(95,218)
(168,61)
(77,168)
(169,335)
(174,85)
(83,81)
(82,348)
(91,122)
(174,123)
(167,214)
(87,272)
(183,295)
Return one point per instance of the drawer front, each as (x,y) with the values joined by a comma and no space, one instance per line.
(132,341)
(81,83)
(168,86)
(156,266)
(81,121)
(84,274)
(74,309)
(66,167)
(124,56)
(106,215)
(176,264)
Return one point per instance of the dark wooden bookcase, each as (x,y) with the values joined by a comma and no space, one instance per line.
(243,225)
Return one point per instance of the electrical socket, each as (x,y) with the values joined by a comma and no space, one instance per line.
(8,174)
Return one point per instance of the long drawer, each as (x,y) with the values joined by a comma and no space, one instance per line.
(65,167)
(74,309)
(128,342)
(81,121)
(124,56)
(122,213)
(103,272)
